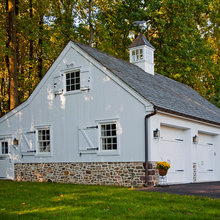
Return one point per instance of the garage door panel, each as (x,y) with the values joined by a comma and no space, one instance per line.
(205,155)
(171,134)
(172,150)
(172,153)
(169,149)
(205,138)
(205,158)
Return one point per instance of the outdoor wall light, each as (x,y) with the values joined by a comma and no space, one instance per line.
(156,133)
(15,142)
(195,139)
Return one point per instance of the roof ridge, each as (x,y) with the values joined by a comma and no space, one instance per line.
(100,51)
(111,56)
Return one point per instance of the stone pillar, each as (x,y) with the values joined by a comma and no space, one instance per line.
(194,172)
(153,173)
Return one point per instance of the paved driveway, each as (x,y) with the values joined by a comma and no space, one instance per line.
(209,189)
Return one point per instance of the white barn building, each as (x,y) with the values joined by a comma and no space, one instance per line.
(95,119)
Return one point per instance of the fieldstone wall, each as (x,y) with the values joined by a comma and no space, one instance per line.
(98,173)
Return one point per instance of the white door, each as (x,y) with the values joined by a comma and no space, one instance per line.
(6,161)
(205,158)
(172,150)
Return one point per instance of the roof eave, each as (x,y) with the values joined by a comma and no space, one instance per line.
(186,116)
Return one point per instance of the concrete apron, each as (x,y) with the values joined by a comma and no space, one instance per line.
(208,189)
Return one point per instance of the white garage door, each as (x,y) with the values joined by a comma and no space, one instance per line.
(172,150)
(205,158)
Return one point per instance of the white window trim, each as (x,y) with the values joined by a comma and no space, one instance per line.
(8,141)
(135,54)
(44,154)
(64,81)
(145,49)
(108,152)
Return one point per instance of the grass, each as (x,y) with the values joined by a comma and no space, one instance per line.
(26,200)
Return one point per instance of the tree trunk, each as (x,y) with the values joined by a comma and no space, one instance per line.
(7,63)
(30,50)
(12,56)
(90,23)
(40,50)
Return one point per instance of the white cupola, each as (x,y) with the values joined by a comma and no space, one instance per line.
(142,54)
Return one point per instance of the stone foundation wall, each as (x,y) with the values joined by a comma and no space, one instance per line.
(98,173)
(194,172)
(153,174)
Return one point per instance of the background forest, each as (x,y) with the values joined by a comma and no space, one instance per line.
(185,34)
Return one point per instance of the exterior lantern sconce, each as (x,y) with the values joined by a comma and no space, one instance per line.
(195,139)
(156,133)
(15,142)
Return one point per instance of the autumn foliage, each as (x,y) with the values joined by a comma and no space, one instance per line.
(184,33)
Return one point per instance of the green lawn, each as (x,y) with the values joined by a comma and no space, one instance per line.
(25,200)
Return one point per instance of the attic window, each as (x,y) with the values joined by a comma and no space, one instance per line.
(137,55)
(72,81)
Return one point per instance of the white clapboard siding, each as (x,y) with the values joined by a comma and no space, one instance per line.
(28,142)
(85,80)
(58,84)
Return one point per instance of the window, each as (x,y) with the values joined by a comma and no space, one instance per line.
(141,54)
(109,136)
(149,56)
(4,147)
(137,55)
(72,81)
(44,140)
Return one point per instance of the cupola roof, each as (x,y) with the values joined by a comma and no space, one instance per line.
(139,41)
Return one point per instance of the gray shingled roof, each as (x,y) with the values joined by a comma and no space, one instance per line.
(164,93)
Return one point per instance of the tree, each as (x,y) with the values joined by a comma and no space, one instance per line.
(182,50)
(12,65)
(185,34)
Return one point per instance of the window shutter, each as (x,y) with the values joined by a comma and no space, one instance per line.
(88,138)
(28,142)
(58,84)
(85,81)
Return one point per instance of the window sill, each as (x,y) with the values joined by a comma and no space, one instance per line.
(72,92)
(23,154)
(4,155)
(109,153)
(137,61)
(43,155)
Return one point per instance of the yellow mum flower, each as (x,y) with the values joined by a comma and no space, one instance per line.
(163,165)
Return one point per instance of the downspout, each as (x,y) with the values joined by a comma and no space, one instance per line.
(146,145)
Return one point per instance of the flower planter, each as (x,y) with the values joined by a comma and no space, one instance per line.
(162,172)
